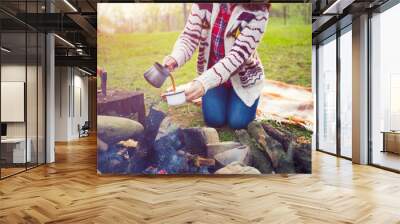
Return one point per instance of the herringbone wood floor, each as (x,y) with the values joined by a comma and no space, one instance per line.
(70,191)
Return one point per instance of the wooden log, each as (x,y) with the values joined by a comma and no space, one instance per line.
(195,141)
(258,158)
(257,132)
(123,104)
(152,124)
(200,161)
(281,137)
(103,77)
(282,159)
(196,160)
(302,158)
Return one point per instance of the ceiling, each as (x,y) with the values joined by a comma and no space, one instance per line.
(331,15)
(74,22)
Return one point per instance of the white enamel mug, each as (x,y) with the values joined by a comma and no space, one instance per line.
(175,98)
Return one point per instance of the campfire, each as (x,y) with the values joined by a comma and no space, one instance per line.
(161,147)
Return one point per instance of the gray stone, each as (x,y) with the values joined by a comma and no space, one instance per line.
(237,168)
(101,146)
(239,154)
(166,127)
(210,135)
(215,148)
(114,129)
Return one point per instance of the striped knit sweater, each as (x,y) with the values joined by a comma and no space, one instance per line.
(241,63)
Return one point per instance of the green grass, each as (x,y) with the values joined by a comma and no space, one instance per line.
(293,130)
(285,52)
(226,134)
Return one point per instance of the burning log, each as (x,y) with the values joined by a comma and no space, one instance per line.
(195,141)
(154,170)
(196,160)
(152,124)
(199,161)
(121,134)
(114,160)
(130,143)
(165,153)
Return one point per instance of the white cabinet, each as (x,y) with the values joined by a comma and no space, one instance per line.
(17,146)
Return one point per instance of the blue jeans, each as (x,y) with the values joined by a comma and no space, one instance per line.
(222,106)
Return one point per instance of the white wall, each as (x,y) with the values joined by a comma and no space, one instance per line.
(314,91)
(12,73)
(346,75)
(62,81)
(71,94)
(33,127)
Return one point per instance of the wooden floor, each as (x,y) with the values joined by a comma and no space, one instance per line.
(70,191)
(387,159)
(5,172)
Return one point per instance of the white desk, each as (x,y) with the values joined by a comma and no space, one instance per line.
(18,151)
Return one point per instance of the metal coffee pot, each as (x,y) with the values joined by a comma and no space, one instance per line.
(156,75)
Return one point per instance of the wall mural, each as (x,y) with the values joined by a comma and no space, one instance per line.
(204,88)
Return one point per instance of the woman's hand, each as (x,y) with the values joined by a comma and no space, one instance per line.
(194,91)
(170,63)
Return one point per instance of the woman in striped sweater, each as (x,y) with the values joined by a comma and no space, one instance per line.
(231,76)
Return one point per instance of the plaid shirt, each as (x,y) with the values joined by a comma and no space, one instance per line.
(217,50)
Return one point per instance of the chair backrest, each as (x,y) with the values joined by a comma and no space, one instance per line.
(86,125)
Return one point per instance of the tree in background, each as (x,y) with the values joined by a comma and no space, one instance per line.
(185,12)
(160,17)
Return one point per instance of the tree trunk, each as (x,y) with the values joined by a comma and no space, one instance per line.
(185,12)
(284,14)
(306,13)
